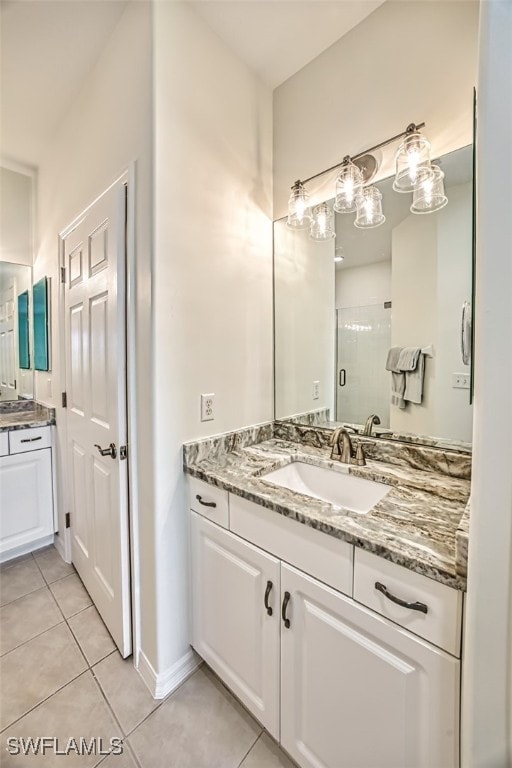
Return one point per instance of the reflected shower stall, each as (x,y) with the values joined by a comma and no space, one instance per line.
(363,338)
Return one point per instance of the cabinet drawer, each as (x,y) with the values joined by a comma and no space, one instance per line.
(441,624)
(22,440)
(325,557)
(4,444)
(209,501)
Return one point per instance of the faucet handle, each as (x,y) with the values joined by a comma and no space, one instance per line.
(360,460)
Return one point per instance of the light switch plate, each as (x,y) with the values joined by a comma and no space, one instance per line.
(316,390)
(461,380)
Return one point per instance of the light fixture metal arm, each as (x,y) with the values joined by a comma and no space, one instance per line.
(410,129)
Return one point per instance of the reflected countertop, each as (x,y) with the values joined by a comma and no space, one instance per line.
(22,414)
(415,525)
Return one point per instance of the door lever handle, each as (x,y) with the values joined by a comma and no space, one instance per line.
(110,451)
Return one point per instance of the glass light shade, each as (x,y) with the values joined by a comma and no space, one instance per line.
(299,211)
(430,196)
(349,185)
(412,163)
(322,224)
(369,209)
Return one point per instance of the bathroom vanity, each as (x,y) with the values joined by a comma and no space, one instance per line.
(26,478)
(339,630)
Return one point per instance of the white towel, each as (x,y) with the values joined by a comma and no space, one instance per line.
(408,358)
(414,382)
(397,377)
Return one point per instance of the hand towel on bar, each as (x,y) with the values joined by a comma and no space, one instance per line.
(414,382)
(408,358)
(397,377)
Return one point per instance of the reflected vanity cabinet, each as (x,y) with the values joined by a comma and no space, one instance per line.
(26,491)
(335,675)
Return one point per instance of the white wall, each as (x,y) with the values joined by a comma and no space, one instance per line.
(16,216)
(212,290)
(304,321)
(108,126)
(431,278)
(365,285)
(487,684)
(407,61)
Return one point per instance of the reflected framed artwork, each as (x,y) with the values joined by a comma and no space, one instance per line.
(40,321)
(23,332)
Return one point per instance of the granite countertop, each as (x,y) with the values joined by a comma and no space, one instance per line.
(23,414)
(415,525)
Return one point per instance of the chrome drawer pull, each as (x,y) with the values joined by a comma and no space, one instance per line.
(30,439)
(205,503)
(413,606)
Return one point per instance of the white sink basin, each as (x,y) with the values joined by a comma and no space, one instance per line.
(340,489)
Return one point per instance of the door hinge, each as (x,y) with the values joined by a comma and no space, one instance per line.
(68,520)
(123,452)
(64,399)
(63,274)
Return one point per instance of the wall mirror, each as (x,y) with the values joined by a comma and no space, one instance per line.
(402,284)
(40,324)
(16,374)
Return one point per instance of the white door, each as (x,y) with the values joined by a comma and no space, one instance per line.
(8,342)
(236,616)
(94,257)
(358,691)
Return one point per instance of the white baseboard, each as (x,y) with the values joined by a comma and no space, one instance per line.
(60,547)
(24,549)
(160,685)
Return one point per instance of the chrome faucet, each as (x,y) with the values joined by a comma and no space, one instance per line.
(342,449)
(370,421)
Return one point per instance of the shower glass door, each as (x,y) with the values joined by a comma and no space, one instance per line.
(363,385)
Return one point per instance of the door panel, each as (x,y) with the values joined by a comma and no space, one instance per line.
(96,415)
(358,692)
(232,629)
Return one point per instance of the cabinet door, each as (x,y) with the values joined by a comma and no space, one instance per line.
(359,692)
(26,498)
(232,629)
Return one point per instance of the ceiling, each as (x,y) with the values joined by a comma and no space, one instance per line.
(276,38)
(49,46)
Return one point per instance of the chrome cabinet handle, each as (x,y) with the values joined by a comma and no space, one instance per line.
(267,595)
(110,451)
(465,333)
(413,606)
(283,610)
(205,503)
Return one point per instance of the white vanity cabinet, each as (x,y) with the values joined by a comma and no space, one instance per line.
(359,692)
(339,685)
(26,492)
(235,589)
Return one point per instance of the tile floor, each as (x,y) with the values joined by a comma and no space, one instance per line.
(61,677)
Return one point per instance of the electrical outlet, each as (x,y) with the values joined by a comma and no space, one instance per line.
(316,390)
(461,380)
(207,407)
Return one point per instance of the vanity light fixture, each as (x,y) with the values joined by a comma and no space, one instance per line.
(412,161)
(322,223)
(369,209)
(430,196)
(299,212)
(414,173)
(349,186)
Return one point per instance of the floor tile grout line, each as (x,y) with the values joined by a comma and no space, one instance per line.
(43,701)
(107,702)
(251,748)
(75,638)
(20,645)
(160,701)
(21,597)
